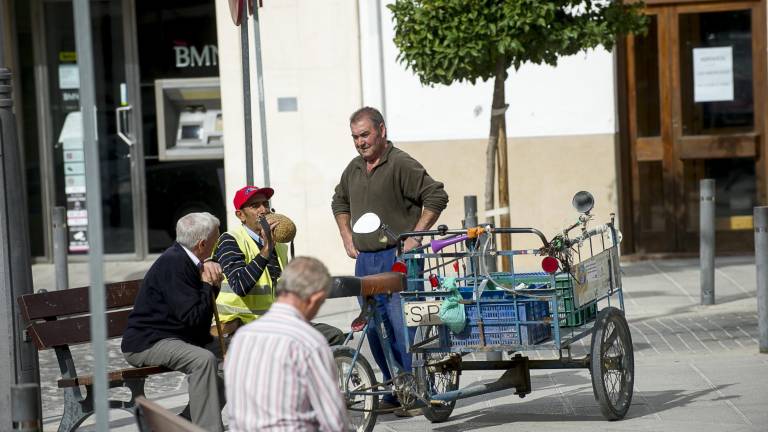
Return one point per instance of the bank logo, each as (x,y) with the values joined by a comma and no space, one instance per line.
(191,56)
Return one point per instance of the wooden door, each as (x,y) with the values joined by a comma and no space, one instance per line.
(696,107)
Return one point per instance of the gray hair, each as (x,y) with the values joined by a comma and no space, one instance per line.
(304,276)
(193,227)
(371,114)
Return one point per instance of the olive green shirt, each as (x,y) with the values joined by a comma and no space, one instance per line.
(396,190)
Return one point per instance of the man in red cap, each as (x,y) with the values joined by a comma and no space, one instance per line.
(252,263)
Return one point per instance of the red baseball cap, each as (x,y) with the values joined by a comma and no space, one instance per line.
(247,192)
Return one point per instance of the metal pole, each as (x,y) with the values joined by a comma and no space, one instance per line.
(707,240)
(25,407)
(470,220)
(380,51)
(3,25)
(470,211)
(260,77)
(60,247)
(761,263)
(84,47)
(18,358)
(246,58)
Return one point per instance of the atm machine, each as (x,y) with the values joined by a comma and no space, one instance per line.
(189,119)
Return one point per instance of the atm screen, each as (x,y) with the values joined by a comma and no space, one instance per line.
(191,132)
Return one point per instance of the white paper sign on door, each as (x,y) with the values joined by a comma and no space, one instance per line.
(713,74)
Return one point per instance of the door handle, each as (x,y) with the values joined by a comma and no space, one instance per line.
(126,135)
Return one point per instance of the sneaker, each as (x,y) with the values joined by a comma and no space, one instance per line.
(402,412)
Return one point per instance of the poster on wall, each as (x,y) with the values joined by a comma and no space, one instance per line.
(77,221)
(71,141)
(69,82)
(713,74)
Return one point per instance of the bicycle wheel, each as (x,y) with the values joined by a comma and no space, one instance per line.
(434,375)
(361,409)
(612,363)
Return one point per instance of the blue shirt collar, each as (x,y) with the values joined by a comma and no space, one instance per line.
(253,235)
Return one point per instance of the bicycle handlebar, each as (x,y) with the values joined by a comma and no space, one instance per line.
(491,230)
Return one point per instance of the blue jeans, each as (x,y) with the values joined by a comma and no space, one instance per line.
(369,263)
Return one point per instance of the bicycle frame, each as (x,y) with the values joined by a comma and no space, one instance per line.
(396,369)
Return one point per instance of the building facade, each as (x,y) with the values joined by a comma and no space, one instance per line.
(156,72)
(638,127)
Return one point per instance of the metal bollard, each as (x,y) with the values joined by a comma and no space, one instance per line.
(25,410)
(470,211)
(707,240)
(60,248)
(470,220)
(761,264)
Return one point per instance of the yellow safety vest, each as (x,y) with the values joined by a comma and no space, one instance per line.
(261,296)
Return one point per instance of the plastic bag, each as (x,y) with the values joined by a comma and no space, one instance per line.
(451,311)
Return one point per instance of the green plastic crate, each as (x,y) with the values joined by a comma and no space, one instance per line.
(568,316)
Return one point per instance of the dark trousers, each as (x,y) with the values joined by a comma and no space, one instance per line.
(201,364)
(389,309)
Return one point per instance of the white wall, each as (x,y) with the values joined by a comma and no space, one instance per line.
(317,52)
(310,52)
(575,98)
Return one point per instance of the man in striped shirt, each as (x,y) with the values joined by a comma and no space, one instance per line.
(252,263)
(279,370)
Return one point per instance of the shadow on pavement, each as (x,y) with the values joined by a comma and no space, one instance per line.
(648,403)
(683,310)
(674,265)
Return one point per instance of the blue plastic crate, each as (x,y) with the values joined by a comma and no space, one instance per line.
(500,318)
(468,293)
(568,315)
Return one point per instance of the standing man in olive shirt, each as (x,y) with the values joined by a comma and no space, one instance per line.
(387,181)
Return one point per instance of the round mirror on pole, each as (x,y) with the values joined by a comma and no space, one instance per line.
(583,202)
(366,224)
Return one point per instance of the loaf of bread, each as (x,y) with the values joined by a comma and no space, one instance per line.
(285,230)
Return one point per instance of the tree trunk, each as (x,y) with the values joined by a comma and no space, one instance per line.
(497,156)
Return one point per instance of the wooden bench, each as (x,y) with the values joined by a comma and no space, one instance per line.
(60,319)
(151,417)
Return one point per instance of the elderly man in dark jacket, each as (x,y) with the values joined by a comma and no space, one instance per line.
(170,322)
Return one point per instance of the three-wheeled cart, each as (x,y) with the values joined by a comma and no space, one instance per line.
(578,294)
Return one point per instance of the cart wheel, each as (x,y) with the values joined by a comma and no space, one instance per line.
(434,376)
(612,363)
(361,409)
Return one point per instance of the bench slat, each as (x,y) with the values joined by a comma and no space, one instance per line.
(73,331)
(157,418)
(115,375)
(75,301)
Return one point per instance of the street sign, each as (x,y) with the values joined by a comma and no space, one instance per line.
(236,10)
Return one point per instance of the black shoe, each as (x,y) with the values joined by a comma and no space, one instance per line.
(402,412)
(388,405)
(185,414)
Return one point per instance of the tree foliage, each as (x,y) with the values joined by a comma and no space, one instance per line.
(444,41)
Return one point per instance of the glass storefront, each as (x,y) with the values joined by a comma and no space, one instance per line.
(176,40)
(136,43)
